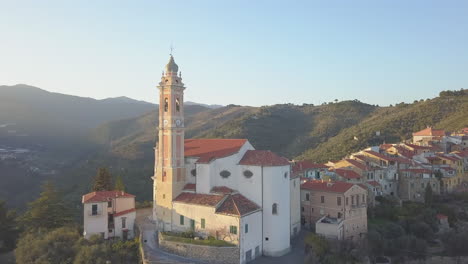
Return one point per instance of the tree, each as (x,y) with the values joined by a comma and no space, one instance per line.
(56,247)
(428,195)
(48,211)
(119,185)
(103,180)
(8,229)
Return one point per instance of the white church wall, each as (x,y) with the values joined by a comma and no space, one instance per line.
(253,238)
(276,227)
(251,187)
(189,166)
(203,178)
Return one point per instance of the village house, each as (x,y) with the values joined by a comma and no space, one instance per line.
(334,209)
(413,183)
(309,170)
(428,134)
(109,214)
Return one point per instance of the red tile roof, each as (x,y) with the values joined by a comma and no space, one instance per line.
(386,146)
(190,187)
(324,186)
(306,164)
(462,154)
(199,199)
(207,150)
(448,157)
(104,196)
(237,204)
(378,155)
(430,132)
(374,183)
(263,158)
(347,174)
(441,216)
(124,212)
(358,164)
(419,147)
(222,190)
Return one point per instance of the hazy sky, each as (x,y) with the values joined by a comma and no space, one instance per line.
(242,52)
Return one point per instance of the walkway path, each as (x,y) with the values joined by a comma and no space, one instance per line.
(154,254)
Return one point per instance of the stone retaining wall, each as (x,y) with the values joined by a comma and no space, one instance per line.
(209,254)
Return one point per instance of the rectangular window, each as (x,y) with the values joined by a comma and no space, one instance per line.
(347,201)
(233,230)
(192,224)
(302,209)
(203,223)
(124,222)
(307,197)
(338,201)
(322,199)
(357,199)
(181,220)
(109,204)
(94,209)
(352,199)
(164,176)
(246,228)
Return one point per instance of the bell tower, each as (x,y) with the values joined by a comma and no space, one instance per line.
(169,168)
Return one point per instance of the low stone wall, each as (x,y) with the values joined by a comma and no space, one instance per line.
(440,260)
(228,255)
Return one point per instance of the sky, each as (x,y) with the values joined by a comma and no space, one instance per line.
(249,52)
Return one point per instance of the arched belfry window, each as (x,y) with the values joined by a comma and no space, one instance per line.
(274,209)
(166,104)
(177,104)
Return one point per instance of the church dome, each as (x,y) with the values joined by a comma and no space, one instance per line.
(172,66)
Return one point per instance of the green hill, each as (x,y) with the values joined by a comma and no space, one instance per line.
(448,111)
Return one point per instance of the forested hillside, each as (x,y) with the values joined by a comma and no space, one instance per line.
(448,111)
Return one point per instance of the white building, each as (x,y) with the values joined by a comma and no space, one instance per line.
(220,187)
(109,214)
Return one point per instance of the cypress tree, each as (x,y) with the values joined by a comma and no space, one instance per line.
(102,181)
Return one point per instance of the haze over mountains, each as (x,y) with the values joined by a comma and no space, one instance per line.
(68,137)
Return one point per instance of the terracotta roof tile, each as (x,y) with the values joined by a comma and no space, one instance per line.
(347,174)
(374,183)
(199,199)
(237,204)
(430,132)
(124,212)
(358,164)
(306,164)
(104,196)
(190,187)
(324,186)
(263,158)
(222,190)
(207,150)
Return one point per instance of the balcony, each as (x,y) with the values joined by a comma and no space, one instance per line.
(95,212)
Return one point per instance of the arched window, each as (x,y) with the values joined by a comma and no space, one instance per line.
(193,172)
(274,209)
(166,104)
(177,105)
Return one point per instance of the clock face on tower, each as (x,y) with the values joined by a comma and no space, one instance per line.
(178,122)
(165,122)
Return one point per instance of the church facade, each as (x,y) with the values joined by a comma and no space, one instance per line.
(222,188)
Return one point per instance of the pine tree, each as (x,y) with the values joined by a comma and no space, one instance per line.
(48,211)
(119,185)
(103,180)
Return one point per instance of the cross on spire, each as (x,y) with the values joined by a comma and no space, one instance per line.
(172,49)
